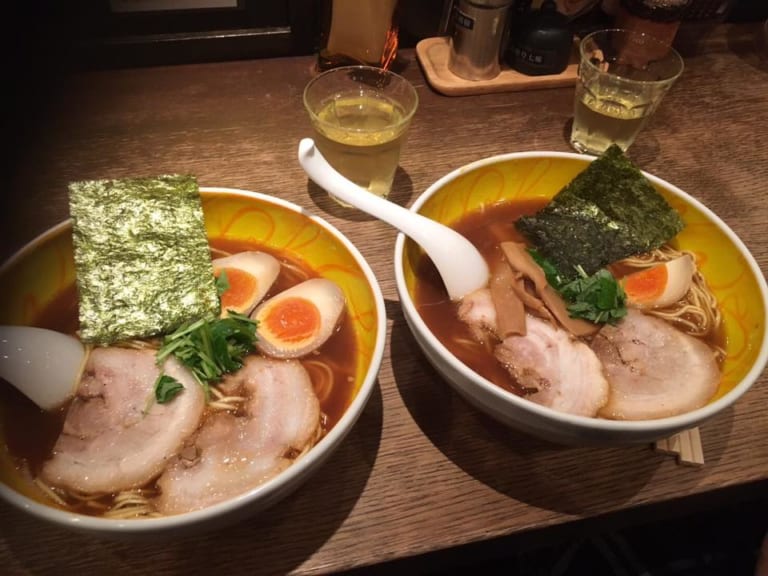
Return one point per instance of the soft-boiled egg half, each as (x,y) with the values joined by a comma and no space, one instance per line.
(249,276)
(660,285)
(299,320)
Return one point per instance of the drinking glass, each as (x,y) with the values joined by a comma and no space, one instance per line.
(360,116)
(623,77)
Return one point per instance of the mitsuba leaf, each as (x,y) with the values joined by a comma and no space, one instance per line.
(222,283)
(550,272)
(211,348)
(166,388)
(598,298)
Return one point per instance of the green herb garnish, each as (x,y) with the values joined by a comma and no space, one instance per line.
(222,283)
(166,388)
(598,298)
(550,272)
(211,348)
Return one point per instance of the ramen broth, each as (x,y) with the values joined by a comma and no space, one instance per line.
(31,433)
(486,229)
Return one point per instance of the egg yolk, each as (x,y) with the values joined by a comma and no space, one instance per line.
(647,285)
(242,287)
(292,320)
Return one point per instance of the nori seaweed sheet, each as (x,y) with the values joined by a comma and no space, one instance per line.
(607,212)
(142,260)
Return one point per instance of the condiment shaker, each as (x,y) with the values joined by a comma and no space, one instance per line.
(541,42)
(478,28)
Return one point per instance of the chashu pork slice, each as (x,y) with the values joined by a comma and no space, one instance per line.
(478,312)
(115,437)
(233,453)
(558,370)
(655,370)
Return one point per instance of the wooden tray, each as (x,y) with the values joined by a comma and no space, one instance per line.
(432,53)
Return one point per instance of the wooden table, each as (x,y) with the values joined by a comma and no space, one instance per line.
(423,479)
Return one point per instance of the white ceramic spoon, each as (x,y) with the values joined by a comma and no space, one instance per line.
(43,364)
(462,268)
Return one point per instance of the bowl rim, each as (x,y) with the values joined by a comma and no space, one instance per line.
(681,421)
(291,476)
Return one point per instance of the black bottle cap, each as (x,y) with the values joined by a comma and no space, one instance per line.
(541,42)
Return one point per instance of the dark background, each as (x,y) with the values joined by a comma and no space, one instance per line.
(43,39)
(66,35)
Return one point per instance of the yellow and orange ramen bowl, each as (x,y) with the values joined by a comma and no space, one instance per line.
(40,291)
(528,180)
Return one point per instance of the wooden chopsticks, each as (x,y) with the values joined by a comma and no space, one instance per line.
(685,446)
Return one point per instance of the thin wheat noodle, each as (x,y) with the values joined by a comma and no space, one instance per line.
(486,345)
(322,378)
(224,402)
(50,492)
(297,270)
(217,253)
(126,504)
(697,313)
(131,504)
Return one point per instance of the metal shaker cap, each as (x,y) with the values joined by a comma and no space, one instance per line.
(476,40)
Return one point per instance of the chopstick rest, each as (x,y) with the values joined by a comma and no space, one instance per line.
(685,446)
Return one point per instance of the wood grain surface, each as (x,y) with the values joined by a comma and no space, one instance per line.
(421,472)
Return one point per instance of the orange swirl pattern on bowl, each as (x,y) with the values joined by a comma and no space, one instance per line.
(244,218)
(45,268)
(721,261)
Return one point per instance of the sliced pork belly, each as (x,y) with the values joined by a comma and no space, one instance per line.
(115,437)
(560,371)
(234,453)
(655,370)
(478,312)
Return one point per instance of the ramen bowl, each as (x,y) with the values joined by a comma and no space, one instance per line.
(730,270)
(40,273)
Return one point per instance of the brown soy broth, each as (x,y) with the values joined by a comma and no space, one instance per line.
(31,433)
(485,229)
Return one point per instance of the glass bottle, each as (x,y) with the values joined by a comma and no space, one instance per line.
(658,18)
(358,32)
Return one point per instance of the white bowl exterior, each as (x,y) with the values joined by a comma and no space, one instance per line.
(264,495)
(533,418)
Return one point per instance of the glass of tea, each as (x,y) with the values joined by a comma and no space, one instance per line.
(360,116)
(623,77)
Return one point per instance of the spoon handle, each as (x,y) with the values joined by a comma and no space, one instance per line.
(444,246)
(357,196)
(42,364)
